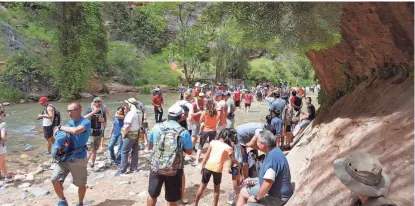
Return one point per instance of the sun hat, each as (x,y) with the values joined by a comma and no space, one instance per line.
(362,173)
(96,99)
(43,99)
(131,100)
(175,111)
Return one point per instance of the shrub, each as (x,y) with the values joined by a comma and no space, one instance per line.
(9,93)
(145,90)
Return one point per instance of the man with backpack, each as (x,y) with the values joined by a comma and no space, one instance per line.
(48,117)
(168,140)
(278,103)
(76,162)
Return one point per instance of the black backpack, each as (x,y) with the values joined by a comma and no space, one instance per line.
(56,117)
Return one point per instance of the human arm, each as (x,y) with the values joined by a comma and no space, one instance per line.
(3,132)
(49,115)
(263,190)
(206,158)
(253,143)
(125,130)
(75,130)
(94,109)
(187,142)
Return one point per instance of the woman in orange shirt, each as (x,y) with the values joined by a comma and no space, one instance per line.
(212,164)
(208,127)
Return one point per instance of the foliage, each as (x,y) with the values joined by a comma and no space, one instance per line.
(390,71)
(126,66)
(79,53)
(145,90)
(8,93)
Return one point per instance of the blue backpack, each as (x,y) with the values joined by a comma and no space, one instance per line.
(64,147)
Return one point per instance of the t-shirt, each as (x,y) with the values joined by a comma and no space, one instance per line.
(209,122)
(132,119)
(246,131)
(275,167)
(82,138)
(181,89)
(300,92)
(157,100)
(185,136)
(312,111)
(45,121)
(248,98)
(278,104)
(237,96)
(277,123)
(3,126)
(223,108)
(95,123)
(218,156)
(118,123)
(196,117)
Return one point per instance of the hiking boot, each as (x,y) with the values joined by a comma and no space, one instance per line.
(62,203)
(231,198)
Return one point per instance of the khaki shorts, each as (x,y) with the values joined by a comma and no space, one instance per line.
(77,168)
(94,142)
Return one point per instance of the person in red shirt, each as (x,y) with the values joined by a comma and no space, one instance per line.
(158,103)
(197,90)
(248,100)
(237,98)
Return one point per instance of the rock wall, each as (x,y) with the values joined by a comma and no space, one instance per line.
(374,35)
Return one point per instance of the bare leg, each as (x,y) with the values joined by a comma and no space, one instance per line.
(49,143)
(183,187)
(202,188)
(171,204)
(57,186)
(216,195)
(3,167)
(151,201)
(81,193)
(199,152)
(243,197)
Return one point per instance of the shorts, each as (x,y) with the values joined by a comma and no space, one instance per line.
(204,136)
(217,177)
(94,142)
(247,105)
(230,123)
(287,128)
(173,186)
(3,150)
(235,170)
(268,200)
(77,168)
(48,131)
(195,129)
(237,103)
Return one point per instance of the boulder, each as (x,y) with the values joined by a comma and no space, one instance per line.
(22,101)
(5,104)
(19,177)
(38,191)
(30,177)
(24,185)
(28,147)
(85,95)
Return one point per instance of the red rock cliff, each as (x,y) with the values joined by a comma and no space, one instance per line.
(374,35)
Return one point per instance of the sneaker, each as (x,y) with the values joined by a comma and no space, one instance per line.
(185,201)
(231,198)
(62,203)
(9,179)
(45,153)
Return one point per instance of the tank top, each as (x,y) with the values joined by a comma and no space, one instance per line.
(210,122)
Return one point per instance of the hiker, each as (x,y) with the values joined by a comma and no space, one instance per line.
(259,94)
(97,114)
(276,123)
(307,117)
(230,119)
(288,121)
(248,100)
(47,117)
(181,90)
(79,127)
(296,101)
(213,162)
(158,104)
(208,128)
(106,114)
(363,174)
(279,103)
(237,98)
(273,185)
(156,90)
(188,123)
(222,109)
(301,93)
(3,150)
(270,98)
(129,136)
(139,108)
(172,176)
(118,122)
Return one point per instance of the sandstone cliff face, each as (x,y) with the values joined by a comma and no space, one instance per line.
(374,35)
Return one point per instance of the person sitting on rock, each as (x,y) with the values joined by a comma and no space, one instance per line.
(306,118)
(363,174)
(273,185)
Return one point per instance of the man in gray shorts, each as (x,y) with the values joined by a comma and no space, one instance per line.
(80,128)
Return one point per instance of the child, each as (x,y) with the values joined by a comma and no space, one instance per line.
(3,151)
(212,164)
(118,121)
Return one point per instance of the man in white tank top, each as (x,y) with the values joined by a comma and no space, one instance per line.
(47,117)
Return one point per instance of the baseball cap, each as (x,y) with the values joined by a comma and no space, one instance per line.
(43,99)
(197,84)
(175,111)
(96,99)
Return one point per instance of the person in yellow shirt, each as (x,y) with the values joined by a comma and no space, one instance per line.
(212,164)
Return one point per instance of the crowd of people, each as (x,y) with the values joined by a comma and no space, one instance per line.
(252,153)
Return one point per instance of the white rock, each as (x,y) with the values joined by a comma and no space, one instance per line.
(187,158)
(143,194)
(37,191)
(19,177)
(24,185)
(21,101)
(24,196)
(30,177)
(5,104)
(132,193)
(72,189)
(52,167)
(85,95)
(8,205)
(124,182)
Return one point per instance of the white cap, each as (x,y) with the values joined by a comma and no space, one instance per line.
(175,111)
(201,94)
(197,84)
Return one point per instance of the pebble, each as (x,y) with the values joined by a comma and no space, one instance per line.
(124,182)
(52,166)
(99,177)
(24,185)
(132,193)
(24,156)
(38,191)
(28,147)
(30,177)
(19,177)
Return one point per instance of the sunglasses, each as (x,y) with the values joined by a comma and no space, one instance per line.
(72,110)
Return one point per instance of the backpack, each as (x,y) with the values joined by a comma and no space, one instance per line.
(167,155)
(63,148)
(287,115)
(56,116)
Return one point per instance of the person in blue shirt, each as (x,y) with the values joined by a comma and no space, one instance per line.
(173,184)
(273,185)
(80,127)
(118,122)
(276,124)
